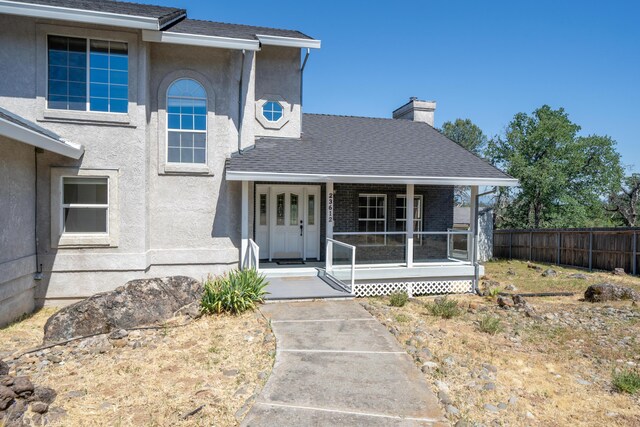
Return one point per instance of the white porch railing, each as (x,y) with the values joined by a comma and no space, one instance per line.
(252,257)
(341,261)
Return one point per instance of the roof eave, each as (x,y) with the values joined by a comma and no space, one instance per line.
(80,15)
(199,40)
(368,179)
(30,137)
(268,40)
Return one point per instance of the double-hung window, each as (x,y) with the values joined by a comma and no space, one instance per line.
(186,122)
(87,74)
(401,215)
(372,218)
(85,205)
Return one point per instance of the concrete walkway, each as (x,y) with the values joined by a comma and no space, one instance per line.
(337,365)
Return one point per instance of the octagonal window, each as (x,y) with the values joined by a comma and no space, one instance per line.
(272,111)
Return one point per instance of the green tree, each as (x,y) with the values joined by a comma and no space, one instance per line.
(625,202)
(465,133)
(564,179)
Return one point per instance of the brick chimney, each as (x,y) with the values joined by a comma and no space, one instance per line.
(416,110)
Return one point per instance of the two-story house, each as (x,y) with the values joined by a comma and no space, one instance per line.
(137,142)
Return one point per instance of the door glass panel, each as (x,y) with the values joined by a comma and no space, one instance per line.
(280,209)
(311,217)
(263,209)
(293,210)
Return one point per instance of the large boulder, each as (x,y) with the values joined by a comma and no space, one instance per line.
(610,292)
(137,303)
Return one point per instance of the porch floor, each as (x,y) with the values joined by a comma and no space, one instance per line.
(302,287)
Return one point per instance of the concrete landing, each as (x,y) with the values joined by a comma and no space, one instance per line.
(337,365)
(302,287)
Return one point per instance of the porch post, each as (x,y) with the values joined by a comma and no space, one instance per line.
(329,220)
(409,218)
(244,223)
(473,225)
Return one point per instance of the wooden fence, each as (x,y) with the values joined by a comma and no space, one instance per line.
(591,248)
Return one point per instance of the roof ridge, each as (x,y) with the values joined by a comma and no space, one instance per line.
(390,119)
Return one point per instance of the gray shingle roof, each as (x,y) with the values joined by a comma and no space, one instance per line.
(340,145)
(22,122)
(237,31)
(161,13)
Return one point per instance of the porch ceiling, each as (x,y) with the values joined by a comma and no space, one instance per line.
(368,150)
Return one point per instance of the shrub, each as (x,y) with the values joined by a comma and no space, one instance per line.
(233,292)
(626,381)
(398,299)
(444,307)
(402,318)
(493,292)
(490,324)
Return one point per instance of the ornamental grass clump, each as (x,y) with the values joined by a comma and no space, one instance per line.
(627,381)
(444,307)
(234,292)
(398,299)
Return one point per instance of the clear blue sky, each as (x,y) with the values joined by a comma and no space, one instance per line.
(483,60)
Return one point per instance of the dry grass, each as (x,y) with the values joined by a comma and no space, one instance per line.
(179,370)
(559,373)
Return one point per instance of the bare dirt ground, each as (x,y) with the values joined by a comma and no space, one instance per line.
(149,378)
(550,367)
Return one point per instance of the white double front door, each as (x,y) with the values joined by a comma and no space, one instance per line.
(287,222)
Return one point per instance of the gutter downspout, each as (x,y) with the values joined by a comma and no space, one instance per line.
(304,63)
(38,274)
(240,110)
(476,264)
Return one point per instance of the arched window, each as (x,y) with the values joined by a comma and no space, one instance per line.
(186,122)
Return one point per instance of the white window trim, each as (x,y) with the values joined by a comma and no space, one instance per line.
(87,106)
(60,239)
(384,220)
(205,132)
(286,111)
(417,240)
(45,114)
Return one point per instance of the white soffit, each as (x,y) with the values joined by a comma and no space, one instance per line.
(28,136)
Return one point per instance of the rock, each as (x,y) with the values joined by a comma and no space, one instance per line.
(505,302)
(137,303)
(39,407)
(610,292)
(43,394)
(4,368)
(578,276)
(442,386)
(619,272)
(582,382)
(425,353)
(262,375)
(22,386)
(56,414)
(529,415)
(119,343)
(549,272)
(462,423)
(452,410)
(489,386)
(6,380)
(6,397)
(502,405)
(54,358)
(230,372)
(118,334)
(444,398)
(490,408)
(511,272)
(76,393)
(192,310)
(513,400)
(489,367)
(510,287)
(533,266)
(428,367)
(449,361)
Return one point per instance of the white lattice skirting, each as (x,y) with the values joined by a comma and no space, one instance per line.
(413,288)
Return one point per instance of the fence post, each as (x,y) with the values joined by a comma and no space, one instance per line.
(635,253)
(510,244)
(558,246)
(591,251)
(530,245)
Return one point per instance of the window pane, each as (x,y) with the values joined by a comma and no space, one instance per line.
(200,123)
(272,111)
(174,139)
(263,209)
(85,191)
(187,88)
(85,220)
(186,111)
(280,209)
(186,155)
(109,65)
(293,210)
(174,155)
(311,207)
(199,140)
(174,121)
(67,63)
(199,155)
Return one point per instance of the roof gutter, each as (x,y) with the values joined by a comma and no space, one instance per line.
(199,40)
(28,136)
(80,15)
(288,41)
(304,64)
(368,179)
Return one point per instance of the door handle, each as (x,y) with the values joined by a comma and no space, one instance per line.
(301,227)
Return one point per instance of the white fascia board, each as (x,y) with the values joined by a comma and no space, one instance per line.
(288,41)
(199,40)
(27,136)
(77,15)
(369,179)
